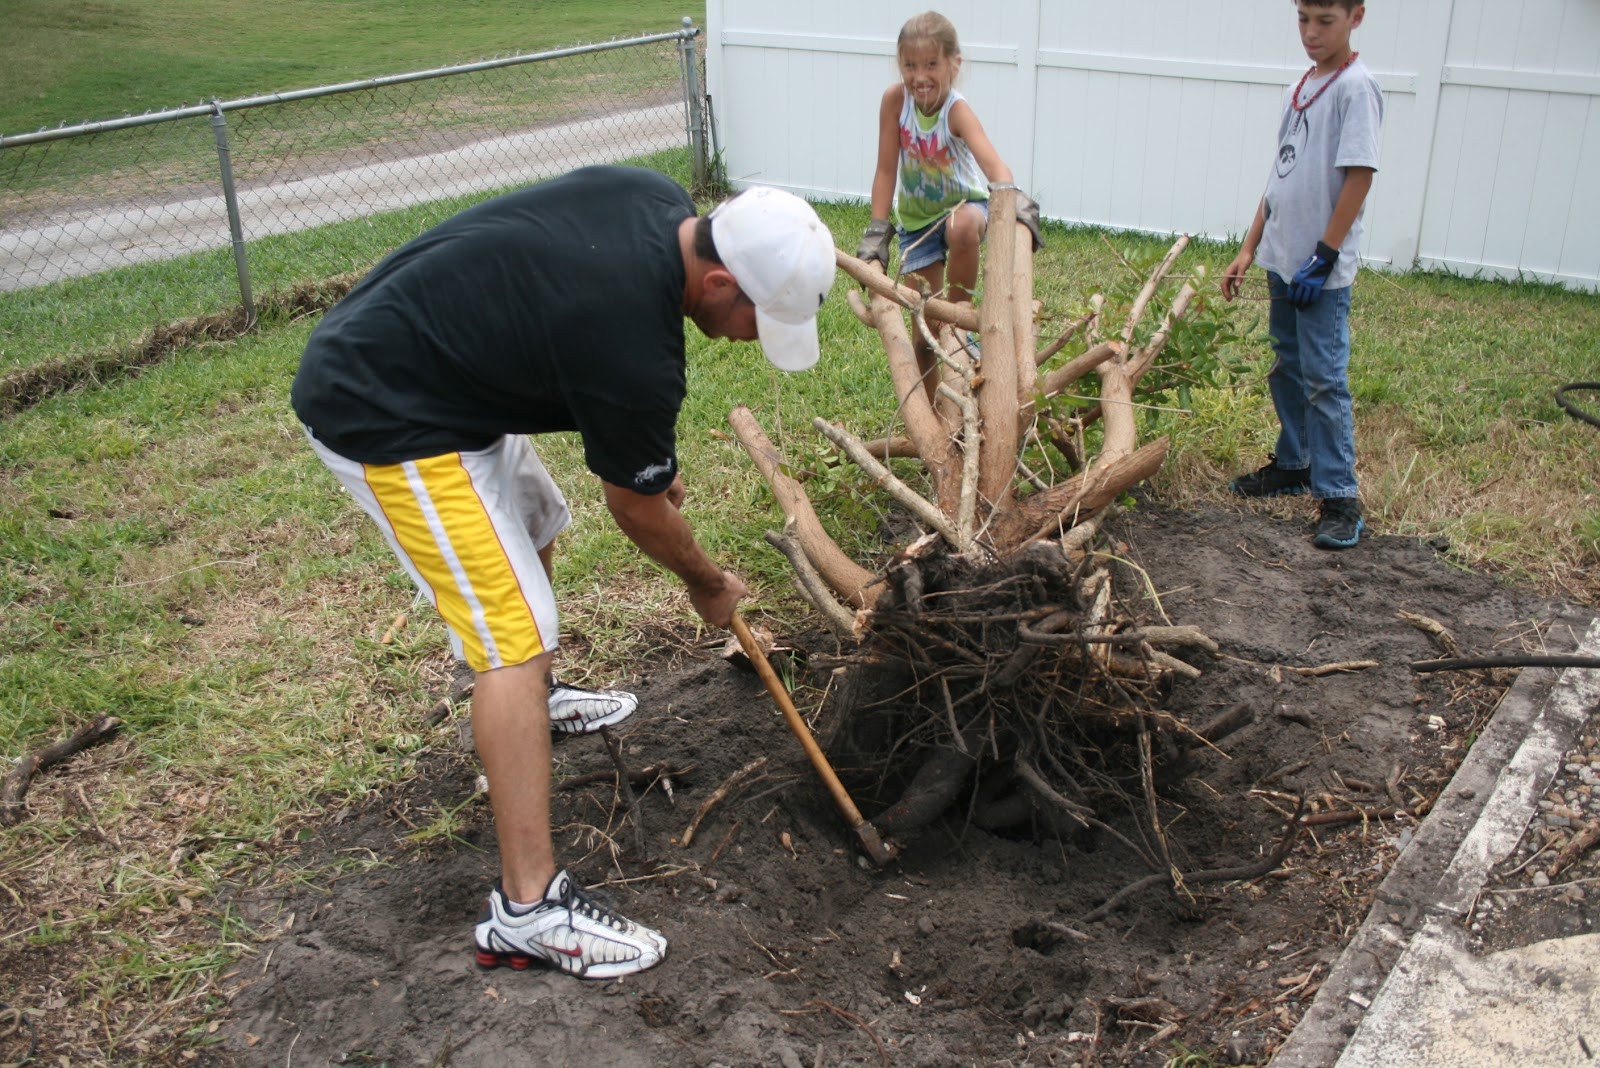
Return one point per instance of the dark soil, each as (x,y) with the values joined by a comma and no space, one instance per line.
(787,948)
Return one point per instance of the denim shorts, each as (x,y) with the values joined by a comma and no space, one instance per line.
(927,246)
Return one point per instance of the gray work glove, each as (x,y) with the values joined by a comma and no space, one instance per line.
(1027,212)
(875,242)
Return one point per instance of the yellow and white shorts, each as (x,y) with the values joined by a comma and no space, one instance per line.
(468,527)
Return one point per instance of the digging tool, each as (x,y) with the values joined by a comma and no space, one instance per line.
(880,851)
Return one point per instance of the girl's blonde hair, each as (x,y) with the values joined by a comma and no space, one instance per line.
(929,26)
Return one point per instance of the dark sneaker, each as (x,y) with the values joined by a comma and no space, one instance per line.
(1272,481)
(574,710)
(571,929)
(1340,525)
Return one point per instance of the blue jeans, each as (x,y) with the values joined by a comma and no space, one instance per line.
(1311,388)
(920,248)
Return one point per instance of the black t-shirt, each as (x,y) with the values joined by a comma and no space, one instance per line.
(556,307)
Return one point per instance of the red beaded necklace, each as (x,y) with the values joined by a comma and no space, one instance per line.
(1295,100)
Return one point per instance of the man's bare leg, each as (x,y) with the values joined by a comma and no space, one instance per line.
(511,728)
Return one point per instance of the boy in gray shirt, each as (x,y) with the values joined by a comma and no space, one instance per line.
(1306,235)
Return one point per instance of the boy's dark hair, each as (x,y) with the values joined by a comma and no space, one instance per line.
(1348,5)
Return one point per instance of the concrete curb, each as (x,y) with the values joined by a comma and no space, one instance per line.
(1477,820)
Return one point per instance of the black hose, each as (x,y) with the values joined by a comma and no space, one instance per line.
(1464,663)
(1572,407)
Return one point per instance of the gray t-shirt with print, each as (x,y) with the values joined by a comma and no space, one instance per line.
(1341,129)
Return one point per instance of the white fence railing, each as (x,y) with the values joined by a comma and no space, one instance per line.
(1160,115)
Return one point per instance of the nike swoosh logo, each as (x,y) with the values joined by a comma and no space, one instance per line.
(558,949)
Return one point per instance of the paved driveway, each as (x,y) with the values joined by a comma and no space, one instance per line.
(86,242)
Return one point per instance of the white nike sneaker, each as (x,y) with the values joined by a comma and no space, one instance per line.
(571,929)
(574,710)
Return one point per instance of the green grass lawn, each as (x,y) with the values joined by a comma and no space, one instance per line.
(106,58)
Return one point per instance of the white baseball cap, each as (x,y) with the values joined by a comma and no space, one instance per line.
(781,255)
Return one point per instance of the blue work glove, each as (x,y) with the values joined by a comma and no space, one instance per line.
(1307,283)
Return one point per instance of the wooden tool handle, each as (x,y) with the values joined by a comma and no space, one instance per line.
(796,724)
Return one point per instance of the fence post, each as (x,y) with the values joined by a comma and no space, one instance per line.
(691,99)
(219,125)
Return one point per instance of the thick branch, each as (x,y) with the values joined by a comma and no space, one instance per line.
(1116,412)
(997,399)
(839,619)
(891,448)
(852,582)
(1147,355)
(16,783)
(1024,336)
(872,276)
(926,430)
(1061,339)
(925,512)
(1149,290)
(1056,381)
(1061,505)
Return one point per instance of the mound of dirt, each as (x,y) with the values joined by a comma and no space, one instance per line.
(788,949)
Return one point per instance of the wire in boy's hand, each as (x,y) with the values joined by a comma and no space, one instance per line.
(875,242)
(1306,286)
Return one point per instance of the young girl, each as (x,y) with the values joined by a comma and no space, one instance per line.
(935,166)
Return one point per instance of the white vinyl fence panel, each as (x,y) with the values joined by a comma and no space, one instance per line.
(1161,115)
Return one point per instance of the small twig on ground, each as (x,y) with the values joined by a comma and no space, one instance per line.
(1551,886)
(1224,724)
(664,873)
(1575,848)
(1159,1037)
(625,792)
(16,783)
(1435,630)
(1334,668)
(459,692)
(644,777)
(1537,853)
(1359,815)
(1320,669)
(717,852)
(720,793)
(816,1004)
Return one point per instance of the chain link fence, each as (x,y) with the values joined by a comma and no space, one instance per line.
(83,199)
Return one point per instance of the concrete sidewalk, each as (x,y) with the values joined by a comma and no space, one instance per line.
(90,241)
(1407,992)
